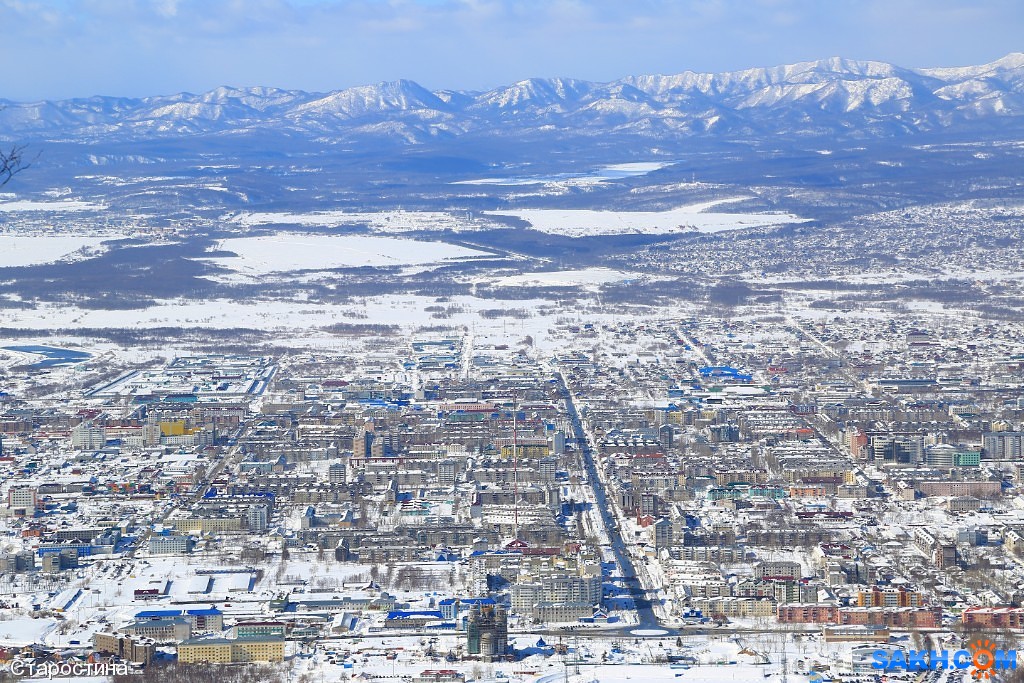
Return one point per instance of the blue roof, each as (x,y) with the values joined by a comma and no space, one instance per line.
(477,553)
(158,613)
(166,613)
(724,371)
(405,614)
(468,601)
(718,370)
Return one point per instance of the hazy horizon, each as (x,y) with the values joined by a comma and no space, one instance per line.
(137,48)
(443,88)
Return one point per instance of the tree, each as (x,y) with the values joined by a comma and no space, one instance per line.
(12,162)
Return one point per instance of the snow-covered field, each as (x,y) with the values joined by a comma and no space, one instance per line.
(604,174)
(30,250)
(24,631)
(692,218)
(564,278)
(66,205)
(382,221)
(284,316)
(633,168)
(569,222)
(591,659)
(284,252)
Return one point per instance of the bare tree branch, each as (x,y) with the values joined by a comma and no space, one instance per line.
(12,163)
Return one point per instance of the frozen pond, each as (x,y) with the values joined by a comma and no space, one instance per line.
(52,357)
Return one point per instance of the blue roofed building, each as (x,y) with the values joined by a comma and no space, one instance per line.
(412,618)
(204,619)
(724,372)
(451,607)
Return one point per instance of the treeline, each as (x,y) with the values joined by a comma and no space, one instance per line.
(144,336)
(120,278)
(206,673)
(362,329)
(516,313)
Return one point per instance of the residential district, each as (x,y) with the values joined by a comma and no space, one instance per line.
(683,493)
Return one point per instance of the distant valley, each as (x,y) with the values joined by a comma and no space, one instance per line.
(832,185)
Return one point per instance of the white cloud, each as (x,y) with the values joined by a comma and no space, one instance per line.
(167,8)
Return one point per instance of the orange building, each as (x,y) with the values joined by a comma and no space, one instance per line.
(994,617)
(808,613)
(898,617)
(889,597)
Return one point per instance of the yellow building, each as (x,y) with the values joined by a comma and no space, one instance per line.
(526,450)
(176,428)
(205,650)
(257,650)
(228,651)
(208,524)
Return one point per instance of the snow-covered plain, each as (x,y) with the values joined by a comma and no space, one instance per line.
(568,222)
(22,632)
(604,174)
(68,205)
(692,218)
(715,660)
(30,250)
(280,315)
(284,252)
(382,221)
(564,278)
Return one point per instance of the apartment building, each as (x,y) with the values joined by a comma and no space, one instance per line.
(231,650)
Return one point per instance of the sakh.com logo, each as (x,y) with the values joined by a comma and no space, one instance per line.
(981,657)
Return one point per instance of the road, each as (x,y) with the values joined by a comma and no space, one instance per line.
(648,620)
(185,502)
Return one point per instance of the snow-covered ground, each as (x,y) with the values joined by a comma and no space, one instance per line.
(283,252)
(692,218)
(406,310)
(24,631)
(30,250)
(381,221)
(591,658)
(564,278)
(66,205)
(604,174)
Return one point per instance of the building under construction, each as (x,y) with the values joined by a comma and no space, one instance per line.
(487,632)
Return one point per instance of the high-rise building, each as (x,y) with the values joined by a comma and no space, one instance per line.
(337,473)
(256,517)
(897,448)
(558,442)
(663,534)
(547,467)
(85,436)
(1004,445)
(22,498)
(447,472)
(151,434)
(362,443)
(667,434)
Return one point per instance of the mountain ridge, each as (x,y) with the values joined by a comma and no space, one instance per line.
(832,96)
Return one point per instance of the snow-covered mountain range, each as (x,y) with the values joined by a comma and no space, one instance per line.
(831,97)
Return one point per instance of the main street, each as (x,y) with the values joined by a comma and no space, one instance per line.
(185,502)
(649,623)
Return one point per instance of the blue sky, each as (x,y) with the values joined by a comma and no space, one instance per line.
(75,48)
